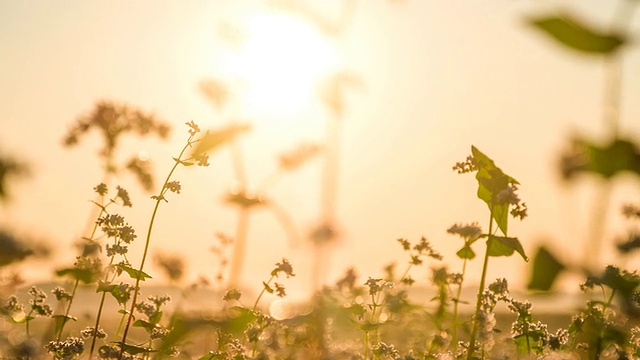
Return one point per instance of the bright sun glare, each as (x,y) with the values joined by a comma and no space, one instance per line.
(280,63)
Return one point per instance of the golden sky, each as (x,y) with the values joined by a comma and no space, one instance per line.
(434,77)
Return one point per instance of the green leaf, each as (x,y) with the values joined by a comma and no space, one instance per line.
(613,158)
(104,286)
(529,342)
(239,319)
(624,282)
(504,246)
(367,326)
(576,35)
(132,349)
(546,269)
(492,181)
(145,324)
(86,276)
(60,320)
(134,273)
(213,139)
(210,356)
(466,252)
(156,317)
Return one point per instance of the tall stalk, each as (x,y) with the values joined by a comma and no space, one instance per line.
(158,199)
(456,306)
(483,277)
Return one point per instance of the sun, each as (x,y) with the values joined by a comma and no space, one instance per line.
(280,63)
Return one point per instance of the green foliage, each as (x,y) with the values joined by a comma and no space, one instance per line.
(134,273)
(492,182)
(576,35)
(608,160)
(504,246)
(545,271)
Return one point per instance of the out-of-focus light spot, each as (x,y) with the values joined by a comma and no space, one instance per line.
(384,317)
(279,309)
(281,62)
(143,155)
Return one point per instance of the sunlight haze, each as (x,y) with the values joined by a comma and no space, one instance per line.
(422,82)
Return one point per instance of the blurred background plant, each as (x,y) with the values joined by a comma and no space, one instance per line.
(607,155)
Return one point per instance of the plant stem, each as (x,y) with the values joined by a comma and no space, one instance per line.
(454,335)
(95,328)
(242,227)
(66,313)
(255,305)
(485,265)
(239,249)
(136,288)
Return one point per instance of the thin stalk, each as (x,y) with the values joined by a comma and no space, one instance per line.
(611,118)
(598,224)
(158,199)
(242,227)
(329,197)
(95,328)
(264,289)
(240,245)
(483,277)
(454,335)
(66,313)
(102,208)
(99,315)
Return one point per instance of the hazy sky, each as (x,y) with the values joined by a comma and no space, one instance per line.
(437,77)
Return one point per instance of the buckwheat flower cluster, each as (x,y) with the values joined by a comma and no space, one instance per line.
(466,231)
(384,351)
(66,350)
(152,305)
(425,248)
(122,292)
(377,285)
(193,128)
(467,166)
(115,227)
(500,287)
(61,294)
(557,340)
(124,196)
(12,308)
(486,324)
(174,186)
(112,352)
(158,333)
(89,331)
(101,189)
(90,265)
(37,303)
(232,294)
(283,267)
(510,197)
(116,249)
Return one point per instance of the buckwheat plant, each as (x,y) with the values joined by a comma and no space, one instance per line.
(469,233)
(37,307)
(385,298)
(600,328)
(258,322)
(498,191)
(88,268)
(196,156)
